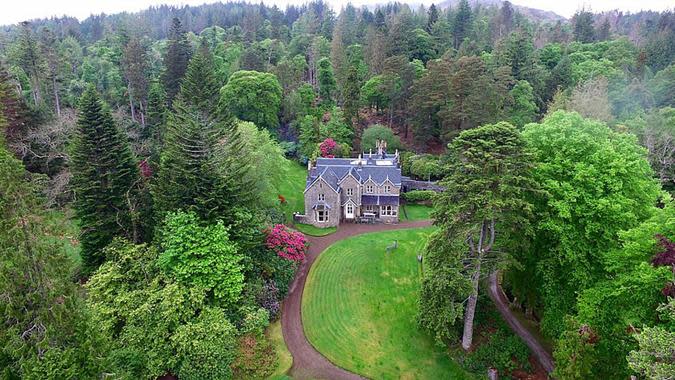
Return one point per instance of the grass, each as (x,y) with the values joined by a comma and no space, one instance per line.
(285,358)
(292,188)
(416,212)
(359,307)
(311,230)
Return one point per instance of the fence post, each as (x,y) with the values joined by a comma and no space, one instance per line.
(493,374)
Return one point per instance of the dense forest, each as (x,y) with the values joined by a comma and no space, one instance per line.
(153,141)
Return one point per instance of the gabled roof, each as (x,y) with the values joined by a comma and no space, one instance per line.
(334,170)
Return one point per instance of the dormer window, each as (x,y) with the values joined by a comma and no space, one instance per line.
(369,188)
(350,192)
(322,197)
(387,188)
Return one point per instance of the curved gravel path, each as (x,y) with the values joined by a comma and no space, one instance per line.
(308,363)
(499,298)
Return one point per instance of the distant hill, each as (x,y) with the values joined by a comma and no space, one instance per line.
(533,13)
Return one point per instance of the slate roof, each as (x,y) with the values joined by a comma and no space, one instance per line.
(332,170)
(379,200)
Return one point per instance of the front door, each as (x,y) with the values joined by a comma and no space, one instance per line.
(349,211)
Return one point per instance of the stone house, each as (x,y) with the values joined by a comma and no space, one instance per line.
(352,189)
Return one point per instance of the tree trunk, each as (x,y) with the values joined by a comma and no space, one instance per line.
(131,104)
(142,114)
(56,97)
(477,252)
(467,336)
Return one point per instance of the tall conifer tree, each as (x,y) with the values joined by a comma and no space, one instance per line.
(176,59)
(201,167)
(156,120)
(104,178)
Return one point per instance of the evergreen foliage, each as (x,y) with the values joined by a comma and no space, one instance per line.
(483,206)
(105,179)
(202,167)
(46,332)
(176,59)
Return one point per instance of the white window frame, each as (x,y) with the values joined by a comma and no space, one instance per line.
(322,216)
(369,189)
(350,191)
(387,188)
(350,208)
(322,196)
(388,211)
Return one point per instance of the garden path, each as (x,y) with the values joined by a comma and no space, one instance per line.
(499,298)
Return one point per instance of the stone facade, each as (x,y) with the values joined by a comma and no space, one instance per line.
(322,205)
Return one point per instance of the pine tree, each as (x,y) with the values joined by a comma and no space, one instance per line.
(604,32)
(433,17)
(201,166)
(483,206)
(200,87)
(176,59)
(12,109)
(136,70)
(42,309)
(156,120)
(583,26)
(327,85)
(351,93)
(461,26)
(30,60)
(104,179)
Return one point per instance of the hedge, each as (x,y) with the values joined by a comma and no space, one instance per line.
(415,196)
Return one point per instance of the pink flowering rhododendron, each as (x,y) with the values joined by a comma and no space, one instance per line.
(146,170)
(327,148)
(291,245)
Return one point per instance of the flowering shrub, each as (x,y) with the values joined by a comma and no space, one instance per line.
(327,148)
(268,298)
(290,245)
(146,170)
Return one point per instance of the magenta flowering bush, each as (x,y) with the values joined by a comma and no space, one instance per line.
(288,244)
(327,148)
(146,170)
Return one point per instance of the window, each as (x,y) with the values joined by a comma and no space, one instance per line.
(350,209)
(322,216)
(369,208)
(387,188)
(322,197)
(350,192)
(389,210)
(369,188)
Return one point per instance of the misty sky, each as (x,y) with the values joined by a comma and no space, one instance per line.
(13,11)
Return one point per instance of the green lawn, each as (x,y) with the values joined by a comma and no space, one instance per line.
(416,212)
(310,230)
(292,187)
(285,358)
(359,307)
